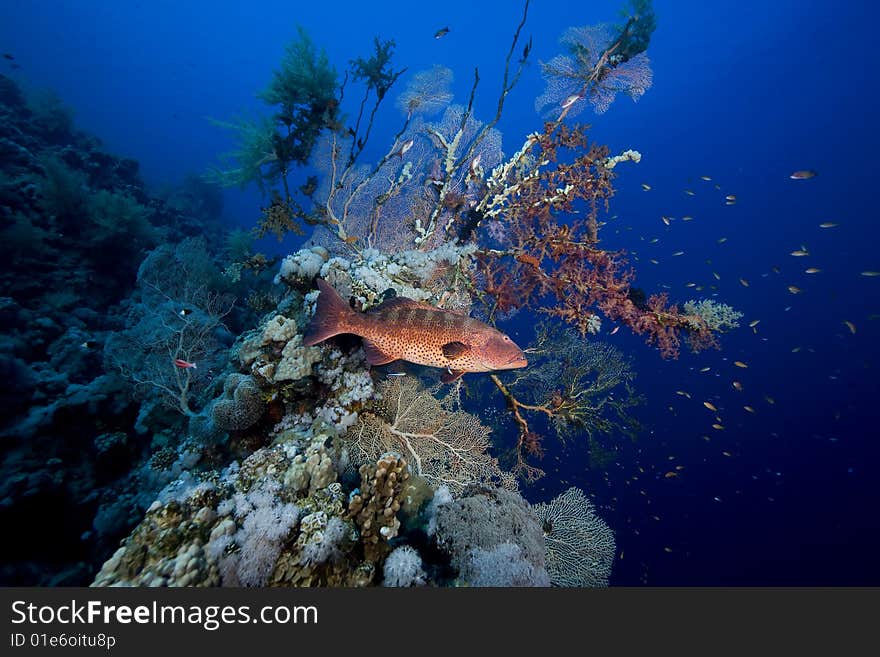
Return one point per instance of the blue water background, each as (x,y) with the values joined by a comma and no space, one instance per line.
(744,92)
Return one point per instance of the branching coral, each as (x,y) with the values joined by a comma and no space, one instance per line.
(177,322)
(375,504)
(445,446)
(558,267)
(577,386)
(718,316)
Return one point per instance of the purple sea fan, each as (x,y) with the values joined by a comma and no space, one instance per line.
(497,232)
(585,75)
(633,77)
(428,92)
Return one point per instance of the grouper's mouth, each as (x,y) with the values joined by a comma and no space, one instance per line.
(515,363)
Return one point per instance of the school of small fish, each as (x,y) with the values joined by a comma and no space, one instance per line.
(716,425)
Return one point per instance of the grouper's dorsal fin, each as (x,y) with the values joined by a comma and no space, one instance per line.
(454,350)
(400,302)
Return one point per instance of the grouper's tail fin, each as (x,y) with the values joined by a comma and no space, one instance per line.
(332,316)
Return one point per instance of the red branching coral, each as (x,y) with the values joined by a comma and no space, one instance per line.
(557,267)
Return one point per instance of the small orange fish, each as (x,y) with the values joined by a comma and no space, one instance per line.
(803,174)
(403,329)
(184,364)
(737,386)
(614,330)
(739,363)
(710,406)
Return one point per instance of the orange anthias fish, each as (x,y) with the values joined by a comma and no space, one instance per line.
(401,328)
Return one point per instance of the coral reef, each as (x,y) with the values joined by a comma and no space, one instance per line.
(77,222)
(224,451)
(168,548)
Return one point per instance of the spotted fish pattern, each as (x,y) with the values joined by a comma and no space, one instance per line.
(404,329)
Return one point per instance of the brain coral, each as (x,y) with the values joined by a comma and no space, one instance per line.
(241,406)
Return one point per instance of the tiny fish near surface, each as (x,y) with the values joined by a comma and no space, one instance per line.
(403,329)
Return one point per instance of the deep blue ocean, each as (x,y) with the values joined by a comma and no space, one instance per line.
(744,93)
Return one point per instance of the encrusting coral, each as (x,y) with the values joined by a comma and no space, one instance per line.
(168,548)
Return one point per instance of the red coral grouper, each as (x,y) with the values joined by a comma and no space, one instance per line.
(401,328)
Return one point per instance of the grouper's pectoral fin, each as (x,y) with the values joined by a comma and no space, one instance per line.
(449,376)
(375,356)
(453,350)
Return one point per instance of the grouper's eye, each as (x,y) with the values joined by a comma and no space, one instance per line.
(506,339)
